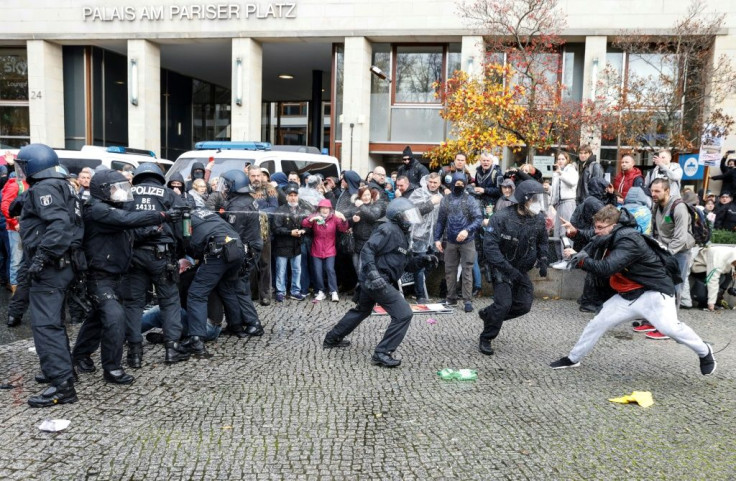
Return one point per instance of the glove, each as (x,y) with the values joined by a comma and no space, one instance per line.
(36,267)
(375,281)
(516,275)
(577,259)
(172,215)
(542,269)
(429,260)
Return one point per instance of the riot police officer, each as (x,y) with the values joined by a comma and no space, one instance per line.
(241,212)
(515,241)
(221,254)
(51,231)
(384,258)
(155,261)
(108,245)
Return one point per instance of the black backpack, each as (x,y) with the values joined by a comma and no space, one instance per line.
(668,260)
(698,222)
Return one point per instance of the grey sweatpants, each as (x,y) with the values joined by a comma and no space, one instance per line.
(657,308)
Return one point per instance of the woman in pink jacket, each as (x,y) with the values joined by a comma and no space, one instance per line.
(325,224)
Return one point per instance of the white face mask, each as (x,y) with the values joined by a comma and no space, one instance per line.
(535,207)
(119,196)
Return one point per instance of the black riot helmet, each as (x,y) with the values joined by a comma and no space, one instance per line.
(402,212)
(110,186)
(530,195)
(234,181)
(148,171)
(36,162)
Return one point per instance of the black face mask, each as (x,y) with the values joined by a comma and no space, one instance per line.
(458,190)
(198,174)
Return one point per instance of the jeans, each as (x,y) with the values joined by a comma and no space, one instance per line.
(683,262)
(322,266)
(296,274)
(476,275)
(152,318)
(16,255)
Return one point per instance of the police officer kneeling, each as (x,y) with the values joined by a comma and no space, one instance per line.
(383,259)
(51,231)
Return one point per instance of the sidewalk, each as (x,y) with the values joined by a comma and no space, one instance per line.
(281,407)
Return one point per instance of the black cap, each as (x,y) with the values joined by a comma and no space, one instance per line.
(291,188)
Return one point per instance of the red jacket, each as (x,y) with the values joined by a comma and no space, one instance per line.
(325,235)
(10,192)
(626,180)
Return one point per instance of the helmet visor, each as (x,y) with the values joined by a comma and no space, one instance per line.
(20,170)
(223,186)
(538,203)
(413,216)
(121,192)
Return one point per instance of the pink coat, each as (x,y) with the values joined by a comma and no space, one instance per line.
(325,235)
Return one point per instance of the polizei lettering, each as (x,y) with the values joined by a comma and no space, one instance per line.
(148,190)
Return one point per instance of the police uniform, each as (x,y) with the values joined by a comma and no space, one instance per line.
(155,261)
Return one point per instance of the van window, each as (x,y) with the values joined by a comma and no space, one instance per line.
(183,166)
(325,169)
(121,166)
(269,165)
(74,166)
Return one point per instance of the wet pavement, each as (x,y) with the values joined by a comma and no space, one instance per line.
(281,407)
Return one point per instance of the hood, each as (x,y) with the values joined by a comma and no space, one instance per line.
(597,187)
(353,180)
(176,177)
(197,166)
(459,176)
(280,179)
(636,196)
(626,219)
(313,181)
(324,203)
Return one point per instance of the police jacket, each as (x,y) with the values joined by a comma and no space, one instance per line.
(285,220)
(242,213)
(488,180)
(625,251)
(51,220)
(387,251)
(414,171)
(514,241)
(457,213)
(207,227)
(108,235)
(152,196)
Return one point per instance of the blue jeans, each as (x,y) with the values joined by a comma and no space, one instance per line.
(296,274)
(16,255)
(683,262)
(322,266)
(153,318)
(476,275)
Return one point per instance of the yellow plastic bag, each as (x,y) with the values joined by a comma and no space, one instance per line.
(642,398)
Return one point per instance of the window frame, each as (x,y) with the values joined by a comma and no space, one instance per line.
(394,63)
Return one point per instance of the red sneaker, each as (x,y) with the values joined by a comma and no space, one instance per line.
(645,327)
(657,336)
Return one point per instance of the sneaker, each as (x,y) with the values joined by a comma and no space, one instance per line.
(562,265)
(587,308)
(298,297)
(450,302)
(335,297)
(279,298)
(476,292)
(422,300)
(563,363)
(645,327)
(708,363)
(657,336)
(468,306)
(320,296)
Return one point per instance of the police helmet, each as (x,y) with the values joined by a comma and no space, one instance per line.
(234,181)
(402,212)
(526,190)
(148,170)
(110,186)
(39,161)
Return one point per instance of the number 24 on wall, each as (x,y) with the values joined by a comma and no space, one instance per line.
(35,94)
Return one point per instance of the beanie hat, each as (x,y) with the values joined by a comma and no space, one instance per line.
(407,152)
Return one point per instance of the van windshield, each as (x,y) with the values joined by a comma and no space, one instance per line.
(184,166)
(325,169)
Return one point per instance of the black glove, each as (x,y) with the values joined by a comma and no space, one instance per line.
(36,266)
(428,260)
(577,259)
(542,268)
(516,275)
(374,281)
(172,215)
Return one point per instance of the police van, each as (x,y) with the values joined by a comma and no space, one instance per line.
(236,155)
(114,157)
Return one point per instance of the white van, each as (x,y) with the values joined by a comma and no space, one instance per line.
(113,157)
(236,155)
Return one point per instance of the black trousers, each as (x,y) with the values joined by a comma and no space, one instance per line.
(147,269)
(46,297)
(20,300)
(248,313)
(395,305)
(596,291)
(510,300)
(213,273)
(105,327)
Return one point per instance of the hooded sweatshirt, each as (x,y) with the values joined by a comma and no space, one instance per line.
(715,261)
(639,204)
(324,231)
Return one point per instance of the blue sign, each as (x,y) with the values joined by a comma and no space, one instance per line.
(691,168)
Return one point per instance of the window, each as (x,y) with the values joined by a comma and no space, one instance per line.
(416,70)
(15,129)
(294,109)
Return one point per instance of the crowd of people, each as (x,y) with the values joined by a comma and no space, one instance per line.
(105,243)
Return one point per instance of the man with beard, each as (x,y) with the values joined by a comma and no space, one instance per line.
(267,201)
(411,168)
(378,182)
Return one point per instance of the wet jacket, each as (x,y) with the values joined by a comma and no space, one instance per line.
(325,234)
(387,251)
(626,180)
(285,220)
(489,181)
(457,213)
(414,171)
(591,169)
(515,242)
(153,196)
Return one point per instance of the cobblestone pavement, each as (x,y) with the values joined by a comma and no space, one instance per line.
(281,407)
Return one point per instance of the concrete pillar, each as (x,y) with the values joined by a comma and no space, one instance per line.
(144,95)
(46,92)
(356,108)
(595,62)
(724,45)
(472,54)
(247,88)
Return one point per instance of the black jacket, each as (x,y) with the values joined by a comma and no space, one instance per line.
(380,188)
(725,216)
(108,236)
(582,217)
(369,215)
(241,212)
(489,180)
(414,171)
(51,219)
(285,220)
(207,226)
(152,196)
(387,251)
(514,241)
(590,170)
(727,178)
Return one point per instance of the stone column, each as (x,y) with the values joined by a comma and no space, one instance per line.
(46,92)
(356,105)
(247,86)
(144,95)
(595,62)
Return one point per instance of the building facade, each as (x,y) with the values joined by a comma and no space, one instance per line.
(162,75)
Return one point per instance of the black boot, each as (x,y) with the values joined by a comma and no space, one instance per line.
(64,393)
(236,331)
(42,379)
(384,359)
(331,342)
(175,352)
(135,355)
(84,364)
(155,338)
(254,329)
(118,376)
(13,320)
(484,346)
(196,347)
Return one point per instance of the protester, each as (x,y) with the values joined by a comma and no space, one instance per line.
(325,224)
